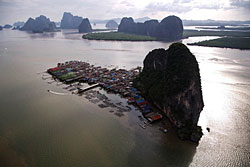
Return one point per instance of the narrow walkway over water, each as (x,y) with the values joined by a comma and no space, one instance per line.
(88,88)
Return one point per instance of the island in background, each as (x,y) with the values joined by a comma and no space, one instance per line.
(111,24)
(39,25)
(226,42)
(169,29)
(235,33)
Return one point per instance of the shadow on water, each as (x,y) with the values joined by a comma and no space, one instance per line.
(161,149)
(68,32)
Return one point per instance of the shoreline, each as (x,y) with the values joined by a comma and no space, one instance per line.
(117,36)
(225,42)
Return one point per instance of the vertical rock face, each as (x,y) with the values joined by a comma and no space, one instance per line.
(155,61)
(127,25)
(151,26)
(85,26)
(40,24)
(171,79)
(1,28)
(70,22)
(170,28)
(111,24)
(29,25)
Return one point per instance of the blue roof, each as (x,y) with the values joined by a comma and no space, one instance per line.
(137,96)
(140,101)
(147,111)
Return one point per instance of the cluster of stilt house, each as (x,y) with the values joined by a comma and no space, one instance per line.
(115,80)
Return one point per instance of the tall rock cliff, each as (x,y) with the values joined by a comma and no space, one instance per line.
(70,22)
(171,80)
(40,24)
(127,25)
(85,26)
(150,27)
(170,28)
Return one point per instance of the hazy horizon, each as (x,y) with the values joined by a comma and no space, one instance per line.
(228,10)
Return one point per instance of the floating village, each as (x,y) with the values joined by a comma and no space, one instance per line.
(117,81)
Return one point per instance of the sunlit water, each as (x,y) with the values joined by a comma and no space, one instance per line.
(38,128)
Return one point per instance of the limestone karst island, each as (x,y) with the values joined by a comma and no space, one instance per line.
(153,83)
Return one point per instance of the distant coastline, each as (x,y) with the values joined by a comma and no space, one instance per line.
(117,36)
(226,42)
(196,33)
(230,39)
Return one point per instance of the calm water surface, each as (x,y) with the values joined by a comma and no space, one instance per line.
(42,129)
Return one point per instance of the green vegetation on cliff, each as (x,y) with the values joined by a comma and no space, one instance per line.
(117,36)
(174,77)
(227,42)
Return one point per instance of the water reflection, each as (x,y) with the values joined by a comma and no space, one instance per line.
(43,35)
(71,34)
(165,154)
(69,131)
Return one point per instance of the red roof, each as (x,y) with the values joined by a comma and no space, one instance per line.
(156,117)
(54,69)
(142,103)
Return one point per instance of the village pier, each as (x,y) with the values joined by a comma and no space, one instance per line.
(119,81)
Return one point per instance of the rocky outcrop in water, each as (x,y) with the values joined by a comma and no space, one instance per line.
(7,26)
(111,24)
(70,22)
(19,24)
(85,26)
(40,24)
(1,28)
(171,80)
(170,28)
(16,28)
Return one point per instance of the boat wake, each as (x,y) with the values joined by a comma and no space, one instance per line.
(38,73)
(58,93)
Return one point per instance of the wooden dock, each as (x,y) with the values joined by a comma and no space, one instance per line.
(80,91)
